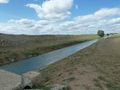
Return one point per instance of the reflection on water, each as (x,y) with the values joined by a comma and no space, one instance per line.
(44,60)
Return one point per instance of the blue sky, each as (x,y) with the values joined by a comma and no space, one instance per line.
(75,14)
(16,9)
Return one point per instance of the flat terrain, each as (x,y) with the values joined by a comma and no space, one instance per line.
(18,47)
(94,68)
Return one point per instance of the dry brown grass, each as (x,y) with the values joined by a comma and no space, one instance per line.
(94,68)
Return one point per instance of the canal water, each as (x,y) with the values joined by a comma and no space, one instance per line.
(44,60)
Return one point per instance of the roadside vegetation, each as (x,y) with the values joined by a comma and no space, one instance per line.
(94,68)
(18,47)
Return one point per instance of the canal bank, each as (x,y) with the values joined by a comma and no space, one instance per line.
(94,68)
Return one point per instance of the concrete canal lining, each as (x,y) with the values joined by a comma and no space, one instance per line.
(9,81)
(12,81)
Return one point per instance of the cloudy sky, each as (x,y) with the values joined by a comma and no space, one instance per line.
(59,16)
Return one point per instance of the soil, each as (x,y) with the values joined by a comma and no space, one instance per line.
(94,68)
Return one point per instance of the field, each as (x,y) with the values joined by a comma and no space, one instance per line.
(94,68)
(18,47)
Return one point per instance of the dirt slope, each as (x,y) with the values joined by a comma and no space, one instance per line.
(94,68)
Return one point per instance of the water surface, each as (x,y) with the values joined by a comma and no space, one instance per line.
(44,60)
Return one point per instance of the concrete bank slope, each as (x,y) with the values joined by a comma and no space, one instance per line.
(9,81)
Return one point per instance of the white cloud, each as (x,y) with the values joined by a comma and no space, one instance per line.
(115,20)
(53,9)
(100,14)
(86,24)
(107,12)
(4,1)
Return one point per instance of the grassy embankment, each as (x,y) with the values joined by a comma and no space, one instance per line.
(18,47)
(94,68)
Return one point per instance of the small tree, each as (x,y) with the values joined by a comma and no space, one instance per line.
(100,33)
